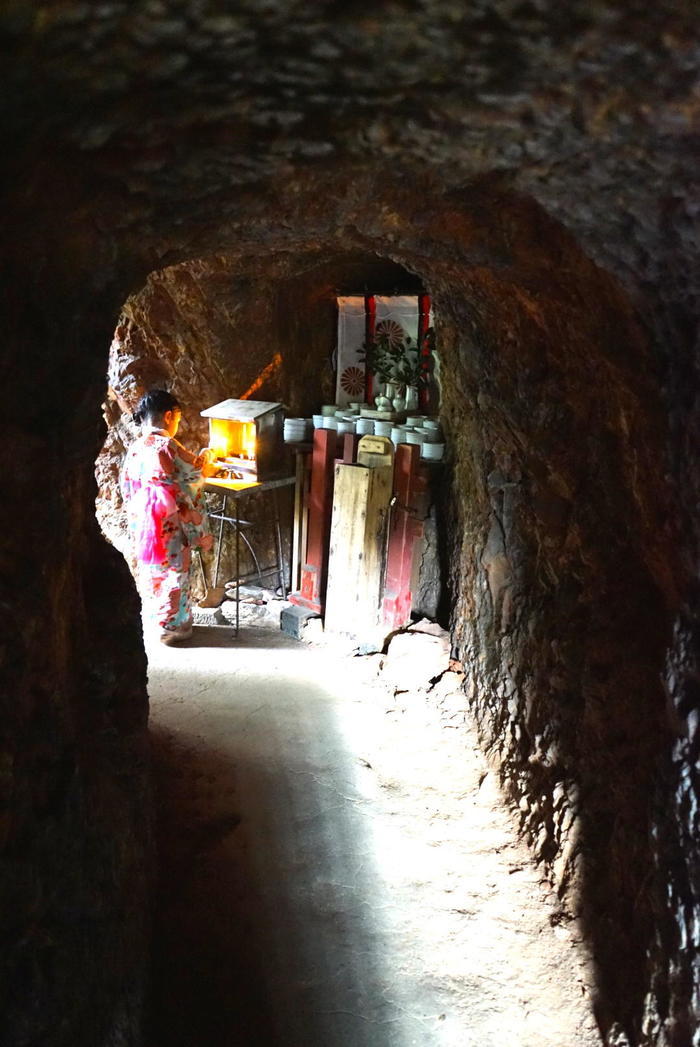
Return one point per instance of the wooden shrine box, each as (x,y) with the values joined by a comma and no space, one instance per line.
(248,438)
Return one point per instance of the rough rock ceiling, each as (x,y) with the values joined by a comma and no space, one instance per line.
(146,134)
(593,107)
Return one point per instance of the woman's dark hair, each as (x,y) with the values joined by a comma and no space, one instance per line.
(154,404)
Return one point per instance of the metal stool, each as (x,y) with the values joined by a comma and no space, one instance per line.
(240,526)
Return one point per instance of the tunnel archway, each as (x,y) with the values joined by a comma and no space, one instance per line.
(142,136)
(559,574)
(509,284)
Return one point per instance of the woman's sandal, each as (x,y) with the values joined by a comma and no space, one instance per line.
(175,636)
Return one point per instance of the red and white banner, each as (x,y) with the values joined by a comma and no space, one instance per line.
(360,318)
(350,386)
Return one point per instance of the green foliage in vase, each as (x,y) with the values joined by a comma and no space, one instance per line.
(401,362)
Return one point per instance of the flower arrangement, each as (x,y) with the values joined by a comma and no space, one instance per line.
(395,358)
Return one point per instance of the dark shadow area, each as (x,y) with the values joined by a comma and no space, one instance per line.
(141,136)
(207,977)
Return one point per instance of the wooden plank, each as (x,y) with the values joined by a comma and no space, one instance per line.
(357,546)
(379,416)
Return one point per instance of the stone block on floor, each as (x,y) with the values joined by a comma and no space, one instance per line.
(300,623)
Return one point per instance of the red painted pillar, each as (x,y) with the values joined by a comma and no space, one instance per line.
(314,571)
(404,529)
(350,442)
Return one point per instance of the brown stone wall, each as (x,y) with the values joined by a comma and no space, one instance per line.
(209,330)
(141,137)
(563,586)
(215,328)
(75,800)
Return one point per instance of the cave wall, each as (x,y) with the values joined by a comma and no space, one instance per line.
(562,596)
(140,139)
(208,330)
(219,327)
(77,861)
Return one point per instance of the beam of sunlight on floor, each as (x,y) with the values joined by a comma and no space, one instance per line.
(384,894)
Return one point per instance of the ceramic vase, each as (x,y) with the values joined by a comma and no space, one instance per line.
(411,397)
(382,401)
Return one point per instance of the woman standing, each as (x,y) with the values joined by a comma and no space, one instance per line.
(162,484)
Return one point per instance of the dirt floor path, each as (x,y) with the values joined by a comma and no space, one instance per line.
(338,869)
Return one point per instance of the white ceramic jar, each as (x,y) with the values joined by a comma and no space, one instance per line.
(432,452)
(429,436)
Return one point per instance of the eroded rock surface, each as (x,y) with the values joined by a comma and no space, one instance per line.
(536,166)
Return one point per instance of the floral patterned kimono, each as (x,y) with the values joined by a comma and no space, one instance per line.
(162,488)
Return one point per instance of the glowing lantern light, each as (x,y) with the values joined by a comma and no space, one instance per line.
(247,435)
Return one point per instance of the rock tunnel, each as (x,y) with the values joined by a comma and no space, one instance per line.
(534,174)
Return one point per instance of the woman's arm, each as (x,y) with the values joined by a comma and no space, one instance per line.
(207,457)
(202,461)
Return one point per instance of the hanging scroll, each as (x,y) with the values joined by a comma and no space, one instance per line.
(361,317)
(350,384)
